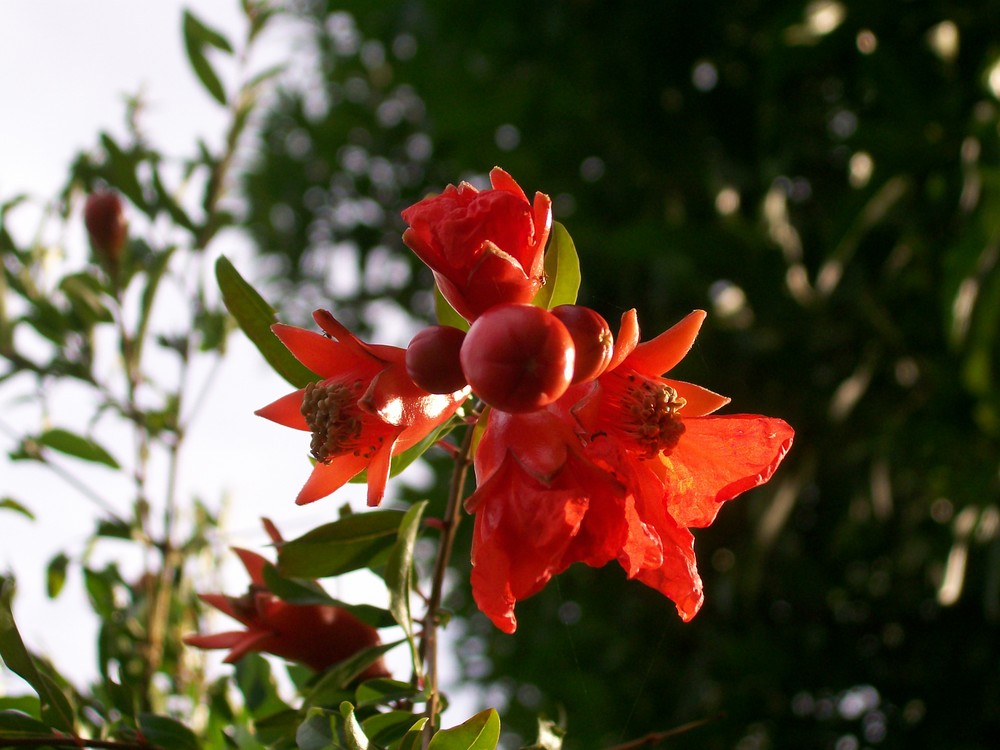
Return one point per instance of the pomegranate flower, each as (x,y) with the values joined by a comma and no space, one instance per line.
(315,635)
(364,410)
(484,247)
(619,468)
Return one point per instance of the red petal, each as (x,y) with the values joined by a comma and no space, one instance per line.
(700,401)
(254,564)
(626,341)
(322,355)
(666,350)
(522,531)
(378,472)
(250,642)
(716,459)
(325,320)
(677,578)
(542,218)
(500,180)
(287,410)
(327,478)
(217,640)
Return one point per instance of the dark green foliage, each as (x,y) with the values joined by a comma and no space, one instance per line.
(860,305)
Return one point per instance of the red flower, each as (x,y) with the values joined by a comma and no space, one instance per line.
(484,247)
(619,468)
(365,410)
(315,635)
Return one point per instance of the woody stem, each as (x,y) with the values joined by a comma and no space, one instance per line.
(449,528)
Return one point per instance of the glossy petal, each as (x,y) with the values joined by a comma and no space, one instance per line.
(626,341)
(700,401)
(718,458)
(328,478)
(322,355)
(666,350)
(287,411)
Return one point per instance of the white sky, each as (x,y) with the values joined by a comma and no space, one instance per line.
(67,66)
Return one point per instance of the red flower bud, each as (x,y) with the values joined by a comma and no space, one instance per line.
(104,216)
(432,359)
(518,358)
(591,337)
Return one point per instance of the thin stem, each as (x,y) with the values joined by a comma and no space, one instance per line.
(449,528)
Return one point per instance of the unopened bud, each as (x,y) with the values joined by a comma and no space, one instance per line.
(107,226)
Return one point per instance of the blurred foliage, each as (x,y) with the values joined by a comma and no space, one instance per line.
(824,179)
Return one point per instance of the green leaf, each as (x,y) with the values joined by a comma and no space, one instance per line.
(413,739)
(275,730)
(167,733)
(336,680)
(562,271)
(197,36)
(481,732)
(260,692)
(77,446)
(16,724)
(121,168)
(55,577)
(85,294)
(351,543)
(446,314)
(382,690)
(255,317)
(11,504)
(317,731)
(353,733)
(386,728)
(399,574)
(304,592)
(55,709)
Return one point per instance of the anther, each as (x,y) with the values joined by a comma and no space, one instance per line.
(331,412)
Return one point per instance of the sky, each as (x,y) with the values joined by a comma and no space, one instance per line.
(67,69)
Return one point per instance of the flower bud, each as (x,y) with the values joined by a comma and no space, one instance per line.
(591,337)
(432,359)
(104,216)
(518,358)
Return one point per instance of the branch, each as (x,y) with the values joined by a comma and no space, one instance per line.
(655,738)
(57,740)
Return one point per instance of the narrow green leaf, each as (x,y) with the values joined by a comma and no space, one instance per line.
(353,733)
(55,710)
(255,317)
(305,592)
(481,732)
(399,574)
(11,504)
(71,444)
(413,739)
(382,691)
(446,314)
(274,730)
(55,577)
(121,167)
(167,733)
(197,36)
(336,680)
(16,724)
(386,728)
(351,543)
(562,271)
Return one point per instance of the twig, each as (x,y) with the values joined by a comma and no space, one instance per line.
(655,738)
(55,740)
(449,524)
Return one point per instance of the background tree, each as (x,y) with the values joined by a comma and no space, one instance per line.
(823,179)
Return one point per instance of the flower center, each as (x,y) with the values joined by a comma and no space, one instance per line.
(331,411)
(649,417)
